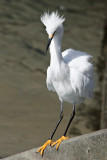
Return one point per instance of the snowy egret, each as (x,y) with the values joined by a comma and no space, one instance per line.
(70,73)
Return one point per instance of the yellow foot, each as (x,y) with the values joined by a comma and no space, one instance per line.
(59,141)
(44,146)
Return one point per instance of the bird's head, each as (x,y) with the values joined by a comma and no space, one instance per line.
(52,23)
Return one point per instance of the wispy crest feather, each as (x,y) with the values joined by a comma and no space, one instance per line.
(52,21)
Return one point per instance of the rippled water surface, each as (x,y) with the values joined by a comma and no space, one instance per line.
(28,111)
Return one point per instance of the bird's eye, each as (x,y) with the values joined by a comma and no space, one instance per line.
(51,35)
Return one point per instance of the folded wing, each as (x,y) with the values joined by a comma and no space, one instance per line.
(81,72)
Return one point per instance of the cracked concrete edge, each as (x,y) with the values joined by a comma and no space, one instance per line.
(90,146)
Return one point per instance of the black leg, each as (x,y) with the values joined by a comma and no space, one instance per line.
(60,118)
(71,118)
(49,141)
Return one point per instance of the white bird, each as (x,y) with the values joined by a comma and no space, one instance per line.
(70,73)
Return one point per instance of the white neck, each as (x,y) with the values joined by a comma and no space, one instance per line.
(55,50)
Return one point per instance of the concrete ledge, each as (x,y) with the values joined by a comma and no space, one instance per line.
(87,147)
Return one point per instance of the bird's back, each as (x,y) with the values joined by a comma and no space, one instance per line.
(81,72)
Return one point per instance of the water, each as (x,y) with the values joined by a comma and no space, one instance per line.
(28,111)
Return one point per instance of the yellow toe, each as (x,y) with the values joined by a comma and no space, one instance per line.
(44,146)
(59,141)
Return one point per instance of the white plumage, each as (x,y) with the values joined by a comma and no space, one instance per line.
(70,73)
(52,21)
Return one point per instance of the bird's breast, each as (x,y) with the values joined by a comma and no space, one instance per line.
(61,82)
(62,85)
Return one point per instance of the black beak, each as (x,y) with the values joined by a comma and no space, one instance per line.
(49,42)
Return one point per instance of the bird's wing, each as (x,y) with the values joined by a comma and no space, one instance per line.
(48,80)
(81,72)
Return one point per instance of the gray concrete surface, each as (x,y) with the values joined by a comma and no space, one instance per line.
(86,147)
